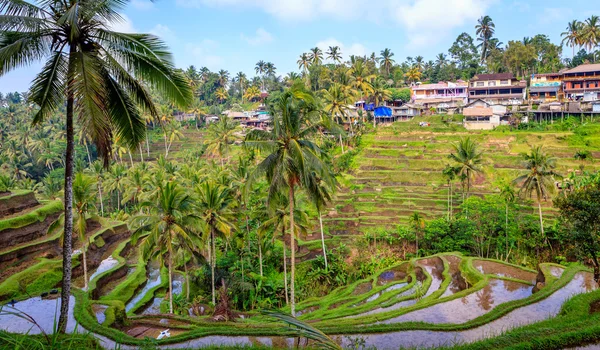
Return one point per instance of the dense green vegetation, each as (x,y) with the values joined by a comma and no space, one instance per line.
(305,215)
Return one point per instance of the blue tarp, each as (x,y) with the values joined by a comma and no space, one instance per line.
(382,112)
(369,107)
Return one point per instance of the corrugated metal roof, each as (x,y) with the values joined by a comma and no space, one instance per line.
(478,112)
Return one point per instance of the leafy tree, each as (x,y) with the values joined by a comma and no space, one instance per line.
(464,53)
(96,70)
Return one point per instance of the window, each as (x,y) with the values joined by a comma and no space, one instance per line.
(503,82)
(492,83)
(480,83)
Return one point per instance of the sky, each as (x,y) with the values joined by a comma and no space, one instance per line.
(235,34)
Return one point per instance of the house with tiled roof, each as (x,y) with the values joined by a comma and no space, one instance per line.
(497,88)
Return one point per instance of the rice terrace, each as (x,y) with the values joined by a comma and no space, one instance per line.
(361,201)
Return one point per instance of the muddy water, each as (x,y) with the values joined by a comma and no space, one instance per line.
(153,281)
(362,288)
(99,310)
(104,266)
(44,312)
(395,274)
(549,307)
(458,282)
(469,307)
(493,268)
(435,269)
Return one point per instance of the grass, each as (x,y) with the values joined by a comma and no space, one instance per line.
(37,215)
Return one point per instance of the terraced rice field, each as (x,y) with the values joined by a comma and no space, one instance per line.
(399,171)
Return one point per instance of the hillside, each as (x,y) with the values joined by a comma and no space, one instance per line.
(398,170)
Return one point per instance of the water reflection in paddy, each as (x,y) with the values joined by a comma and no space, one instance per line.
(582,282)
(469,307)
(44,311)
(153,281)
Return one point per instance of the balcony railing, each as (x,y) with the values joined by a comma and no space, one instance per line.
(422,97)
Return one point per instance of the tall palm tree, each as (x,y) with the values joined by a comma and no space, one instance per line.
(170,224)
(485,29)
(223,78)
(572,35)
(468,159)
(221,94)
(304,62)
(449,174)
(292,157)
(386,61)
(84,195)
(320,193)
(93,68)
(591,33)
(441,60)
(213,207)
(413,74)
(97,170)
(334,54)
(361,78)
(539,178)
(242,80)
(507,192)
(252,93)
(260,70)
(417,222)
(316,56)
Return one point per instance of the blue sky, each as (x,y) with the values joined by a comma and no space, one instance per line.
(235,34)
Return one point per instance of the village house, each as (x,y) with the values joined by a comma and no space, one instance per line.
(442,96)
(545,87)
(582,83)
(498,88)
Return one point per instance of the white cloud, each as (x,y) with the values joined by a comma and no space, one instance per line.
(353,49)
(142,5)
(163,32)
(428,21)
(202,54)
(259,38)
(125,25)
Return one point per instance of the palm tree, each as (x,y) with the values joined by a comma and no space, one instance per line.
(320,192)
(96,70)
(572,35)
(591,33)
(485,29)
(413,74)
(386,61)
(170,224)
(468,161)
(97,170)
(304,62)
(334,54)
(292,157)
(220,136)
(539,179)
(441,60)
(316,56)
(507,192)
(252,93)
(260,70)
(223,78)
(241,79)
(221,94)
(449,174)
(361,78)
(84,195)
(212,205)
(418,224)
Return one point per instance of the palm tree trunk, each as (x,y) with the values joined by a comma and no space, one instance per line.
(323,240)
(68,202)
(85,274)
(130,158)
(166,147)
(141,154)
(101,200)
(147,144)
(187,282)
(448,200)
(87,148)
(293,253)
(341,143)
(260,259)
(285,279)
(417,242)
(213,262)
(506,229)
(542,223)
(170,279)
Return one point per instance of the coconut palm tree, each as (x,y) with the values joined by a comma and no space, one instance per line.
(386,61)
(260,70)
(292,157)
(242,80)
(468,159)
(320,193)
(441,60)
(93,68)
(170,224)
(573,35)
(449,174)
(316,56)
(220,136)
(417,222)
(413,74)
(97,170)
(221,94)
(213,207)
(361,78)
(485,29)
(507,192)
(252,93)
(334,54)
(590,36)
(539,178)
(84,195)
(223,78)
